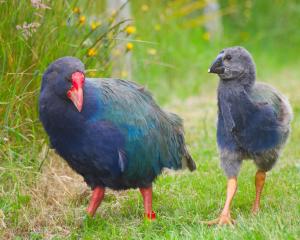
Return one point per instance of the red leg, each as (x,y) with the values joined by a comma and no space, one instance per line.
(147,196)
(96,199)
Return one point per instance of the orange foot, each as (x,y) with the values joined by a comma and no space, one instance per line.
(221,220)
(255,210)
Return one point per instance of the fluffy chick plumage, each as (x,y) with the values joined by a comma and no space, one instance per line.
(253,118)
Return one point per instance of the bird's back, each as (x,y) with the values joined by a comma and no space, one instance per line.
(268,121)
(121,139)
(148,129)
(265,94)
(259,122)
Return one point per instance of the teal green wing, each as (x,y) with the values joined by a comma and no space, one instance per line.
(265,95)
(153,138)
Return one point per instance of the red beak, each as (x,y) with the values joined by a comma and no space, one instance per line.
(75,94)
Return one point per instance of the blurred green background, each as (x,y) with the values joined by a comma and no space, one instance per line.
(166,45)
(268,29)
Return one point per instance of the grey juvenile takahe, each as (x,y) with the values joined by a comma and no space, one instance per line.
(253,122)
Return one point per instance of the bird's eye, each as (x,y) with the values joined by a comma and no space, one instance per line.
(228,57)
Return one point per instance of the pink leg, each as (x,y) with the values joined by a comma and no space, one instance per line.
(225,217)
(147,196)
(96,199)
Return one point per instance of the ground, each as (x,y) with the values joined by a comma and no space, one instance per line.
(182,200)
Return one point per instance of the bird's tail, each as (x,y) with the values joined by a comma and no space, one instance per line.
(186,159)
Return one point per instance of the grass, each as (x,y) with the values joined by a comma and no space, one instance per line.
(41,198)
(54,207)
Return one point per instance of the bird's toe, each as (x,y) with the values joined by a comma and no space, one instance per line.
(221,220)
(255,210)
(150,216)
(226,220)
(211,222)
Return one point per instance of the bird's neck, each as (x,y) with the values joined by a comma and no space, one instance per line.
(244,82)
(233,87)
(229,92)
(247,80)
(234,97)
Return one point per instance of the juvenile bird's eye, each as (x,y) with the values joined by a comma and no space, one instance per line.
(228,57)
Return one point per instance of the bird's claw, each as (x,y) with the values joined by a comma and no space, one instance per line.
(221,220)
(255,210)
(150,216)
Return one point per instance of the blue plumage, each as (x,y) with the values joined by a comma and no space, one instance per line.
(255,127)
(121,139)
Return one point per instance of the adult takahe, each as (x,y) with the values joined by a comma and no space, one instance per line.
(110,131)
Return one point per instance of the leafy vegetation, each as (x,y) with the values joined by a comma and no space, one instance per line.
(32,35)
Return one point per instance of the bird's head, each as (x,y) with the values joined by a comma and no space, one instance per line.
(65,77)
(234,64)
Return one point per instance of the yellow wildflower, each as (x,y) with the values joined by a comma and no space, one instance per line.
(113,16)
(145,8)
(206,36)
(92,74)
(130,30)
(76,10)
(82,19)
(92,52)
(124,74)
(157,27)
(129,46)
(95,25)
(113,13)
(152,51)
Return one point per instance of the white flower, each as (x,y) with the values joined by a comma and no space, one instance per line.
(28,28)
(38,4)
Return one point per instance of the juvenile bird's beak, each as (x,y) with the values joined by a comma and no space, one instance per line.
(217,66)
(75,94)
